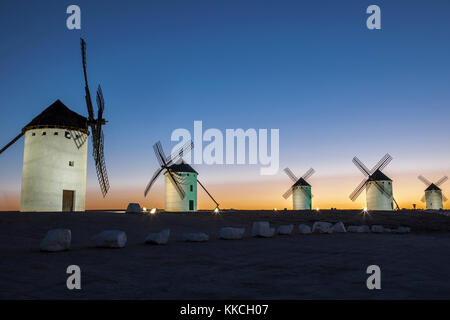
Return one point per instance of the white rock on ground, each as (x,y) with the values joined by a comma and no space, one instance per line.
(56,240)
(322,227)
(229,233)
(134,208)
(402,230)
(110,239)
(262,229)
(377,229)
(196,237)
(339,227)
(358,229)
(158,238)
(286,229)
(304,229)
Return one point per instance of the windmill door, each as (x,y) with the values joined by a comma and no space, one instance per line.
(68,199)
(191,204)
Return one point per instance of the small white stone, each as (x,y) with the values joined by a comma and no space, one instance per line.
(262,229)
(377,229)
(322,227)
(134,208)
(110,239)
(229,233)
(56,240)
(365,229)
(196,237)
(304,229)
(402,230)
(158,238)
(286,229)
(358,229)
(339,227)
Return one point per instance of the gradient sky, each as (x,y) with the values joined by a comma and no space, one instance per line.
(310,68)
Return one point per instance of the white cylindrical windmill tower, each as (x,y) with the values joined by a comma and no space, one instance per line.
(180,180)
(300,190)
(379,194)
(433,197)
(301,195)
(55,161)
(433,194)
(186,177)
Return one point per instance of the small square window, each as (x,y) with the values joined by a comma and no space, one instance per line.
(67,134)
(33,134)
(44,133)
(56,133)
(71,163)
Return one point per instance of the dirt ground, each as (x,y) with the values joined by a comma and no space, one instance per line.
(317,266)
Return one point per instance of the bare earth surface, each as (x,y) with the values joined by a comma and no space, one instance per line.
(413,266)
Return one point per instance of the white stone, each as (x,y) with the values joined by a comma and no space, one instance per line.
(134,208)
(304,229)
(402,230)
(377,229)
(196,237)
(56,240)
(322,227)
(158,238)
(229,233)
(286,229)
(358,229)
(110,239)
(262,229)
(339,227)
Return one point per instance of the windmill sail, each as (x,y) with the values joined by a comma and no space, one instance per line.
(11,143)
(98,139)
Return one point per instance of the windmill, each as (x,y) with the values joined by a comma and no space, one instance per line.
(55,156)
(180,180)
(378,186)
(433,194)
(300,190)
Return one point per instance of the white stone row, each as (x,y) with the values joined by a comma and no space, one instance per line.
(60,239)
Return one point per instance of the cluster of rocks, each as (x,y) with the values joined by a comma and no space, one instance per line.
(60,239)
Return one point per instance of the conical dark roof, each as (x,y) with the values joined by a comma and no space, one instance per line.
(301,182)
(432,187)
(182,167)
(379,176)
(57,115)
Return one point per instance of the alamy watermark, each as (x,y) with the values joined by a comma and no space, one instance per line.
(235,146)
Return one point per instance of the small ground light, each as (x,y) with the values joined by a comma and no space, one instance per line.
(153,211)
(274,209)
(365,210)
(216,210)
(317,209)
(144,209)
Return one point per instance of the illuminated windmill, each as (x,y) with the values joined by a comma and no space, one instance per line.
(433,194)
(300,190)
(180,180)
(55,155)
(377,185)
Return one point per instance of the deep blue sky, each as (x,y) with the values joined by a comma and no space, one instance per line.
(310,68)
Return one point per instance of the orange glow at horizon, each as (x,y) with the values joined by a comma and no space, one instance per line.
(265,193)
